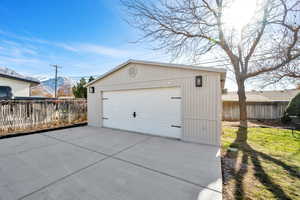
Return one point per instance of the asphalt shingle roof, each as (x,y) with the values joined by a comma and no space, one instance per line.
(263,96)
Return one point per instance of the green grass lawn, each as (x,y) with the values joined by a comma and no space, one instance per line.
(267,167)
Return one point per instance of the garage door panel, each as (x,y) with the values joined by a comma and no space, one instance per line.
(155,110)
(162,129)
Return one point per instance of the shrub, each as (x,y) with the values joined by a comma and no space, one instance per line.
(293,109)
(285,119)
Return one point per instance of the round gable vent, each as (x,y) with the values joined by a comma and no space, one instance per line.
(132,71)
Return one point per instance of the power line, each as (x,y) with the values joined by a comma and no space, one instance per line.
(55,85)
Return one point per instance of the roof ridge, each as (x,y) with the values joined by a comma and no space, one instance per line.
(161,64)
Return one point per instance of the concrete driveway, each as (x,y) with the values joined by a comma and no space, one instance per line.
(96,163)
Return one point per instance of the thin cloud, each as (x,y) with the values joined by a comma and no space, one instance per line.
(30,54)
(12,48)
(8,60)
(65,46)
(74,47)
(102,50)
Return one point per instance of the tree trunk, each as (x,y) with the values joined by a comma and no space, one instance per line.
(242,133)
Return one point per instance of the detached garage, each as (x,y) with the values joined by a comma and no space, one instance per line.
(169,100)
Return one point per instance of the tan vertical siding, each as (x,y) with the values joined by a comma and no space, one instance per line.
(94,109)
(203,116)
(201,106)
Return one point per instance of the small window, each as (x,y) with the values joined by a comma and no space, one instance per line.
(91,89)
(5,92)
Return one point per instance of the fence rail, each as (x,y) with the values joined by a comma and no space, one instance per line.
(255,110)
(17,116)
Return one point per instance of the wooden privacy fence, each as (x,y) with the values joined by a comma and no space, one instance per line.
(28,115)
(255,110)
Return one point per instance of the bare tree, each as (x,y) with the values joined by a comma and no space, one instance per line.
(268,42)
(287,75)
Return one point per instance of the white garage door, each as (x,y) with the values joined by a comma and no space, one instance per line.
(152,111)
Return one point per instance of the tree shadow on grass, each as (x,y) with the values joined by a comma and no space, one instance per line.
(263,177)
(291,170)
(239,192)
(248,153)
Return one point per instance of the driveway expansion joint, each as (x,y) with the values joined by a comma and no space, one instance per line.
(112,156)
(131,146)
(136,164)
(166,174)
(84,168)
(76,145)
(63,178)
(95,151)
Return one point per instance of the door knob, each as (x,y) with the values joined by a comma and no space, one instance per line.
(134,114)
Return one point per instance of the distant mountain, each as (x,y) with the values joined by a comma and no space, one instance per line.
(47,87)
(40,91)
(61,81)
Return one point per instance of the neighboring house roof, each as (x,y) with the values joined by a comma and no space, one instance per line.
(263,96)
(8,73)
(159,64)
(19,79)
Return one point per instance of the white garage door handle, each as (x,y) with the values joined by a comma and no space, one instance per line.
(175,126)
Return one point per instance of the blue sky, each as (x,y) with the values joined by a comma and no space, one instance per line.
(84,37)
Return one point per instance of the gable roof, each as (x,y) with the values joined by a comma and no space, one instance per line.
(263,96)
(19,78)
(160,64)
